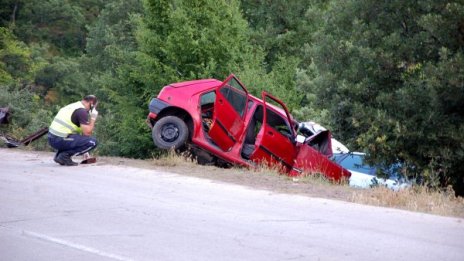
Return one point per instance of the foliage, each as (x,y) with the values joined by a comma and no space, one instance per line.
(385,77)
(391,78)
(8,12)
(27,113)
(58,22)
(278,28)
(192,39)
(15,59)
(112,64)
(17,68)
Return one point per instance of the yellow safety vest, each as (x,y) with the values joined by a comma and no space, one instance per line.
(62,125)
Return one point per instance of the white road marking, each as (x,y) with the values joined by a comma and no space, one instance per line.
(75,246)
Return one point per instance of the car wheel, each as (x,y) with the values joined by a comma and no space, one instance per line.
(170,132)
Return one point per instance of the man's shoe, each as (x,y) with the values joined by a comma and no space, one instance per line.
(71,163)
(58,159)
(65,158)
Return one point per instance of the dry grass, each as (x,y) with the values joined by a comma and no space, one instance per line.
(419,199)
(315,179)
(265,169)
(304,178)
(172,159)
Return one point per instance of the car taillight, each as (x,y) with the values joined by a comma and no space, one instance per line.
(152,115)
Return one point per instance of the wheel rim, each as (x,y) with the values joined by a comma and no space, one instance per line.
(169,132)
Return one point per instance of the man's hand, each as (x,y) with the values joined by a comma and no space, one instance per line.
(94,114)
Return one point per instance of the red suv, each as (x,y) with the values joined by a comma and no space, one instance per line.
(221,123)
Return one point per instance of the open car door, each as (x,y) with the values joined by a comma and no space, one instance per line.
(230,107)
(314,157)
(275,142)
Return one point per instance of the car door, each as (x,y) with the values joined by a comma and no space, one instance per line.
(230,108)
(275,143)
(313,157)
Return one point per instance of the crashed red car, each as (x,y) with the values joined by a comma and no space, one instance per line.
(221,123)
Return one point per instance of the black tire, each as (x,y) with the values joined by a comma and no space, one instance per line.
(170,132)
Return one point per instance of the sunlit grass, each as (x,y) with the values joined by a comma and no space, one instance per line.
(270,177)
(173,159)
(277,170)
(417,198)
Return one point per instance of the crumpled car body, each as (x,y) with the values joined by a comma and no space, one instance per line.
(222,124)
(313,128)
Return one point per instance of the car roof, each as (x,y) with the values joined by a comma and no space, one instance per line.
(200,84)
(195,86)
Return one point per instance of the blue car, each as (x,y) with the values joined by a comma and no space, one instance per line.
(365,176)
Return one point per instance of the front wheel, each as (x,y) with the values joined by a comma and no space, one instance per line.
(170,132)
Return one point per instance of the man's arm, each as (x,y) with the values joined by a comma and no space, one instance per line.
(81,118)
(88,128)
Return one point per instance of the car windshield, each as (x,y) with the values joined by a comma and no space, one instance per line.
(355,163)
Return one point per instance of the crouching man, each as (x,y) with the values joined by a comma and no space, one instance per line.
(71,130)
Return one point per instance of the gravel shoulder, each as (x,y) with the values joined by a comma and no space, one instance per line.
(418,200)
(261,179)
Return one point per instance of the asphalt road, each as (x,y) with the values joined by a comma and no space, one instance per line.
(105,212)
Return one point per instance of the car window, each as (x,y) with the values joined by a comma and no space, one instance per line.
(207,98)
(276,120)
(278,123)
(355,163)
(236,95)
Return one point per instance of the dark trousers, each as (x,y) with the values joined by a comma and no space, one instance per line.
(72,145)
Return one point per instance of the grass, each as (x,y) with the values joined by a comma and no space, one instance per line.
(417,198)
(172,159)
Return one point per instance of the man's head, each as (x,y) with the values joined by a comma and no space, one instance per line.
(90,101)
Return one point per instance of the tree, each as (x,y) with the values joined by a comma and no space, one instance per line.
(390,75)
(15,59)
(193,39)
(277,27)
(60,23)
(17,70)
(117,79)
(8,12)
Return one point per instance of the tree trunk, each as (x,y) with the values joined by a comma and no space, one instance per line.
(13,15)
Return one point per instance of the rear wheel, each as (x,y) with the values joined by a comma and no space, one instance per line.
(170,132)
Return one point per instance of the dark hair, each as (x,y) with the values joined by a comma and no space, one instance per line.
(91,98)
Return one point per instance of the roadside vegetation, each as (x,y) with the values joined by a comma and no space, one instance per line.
(387,78)
(419,198)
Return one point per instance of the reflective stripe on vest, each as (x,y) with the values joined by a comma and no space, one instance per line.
(62,125)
